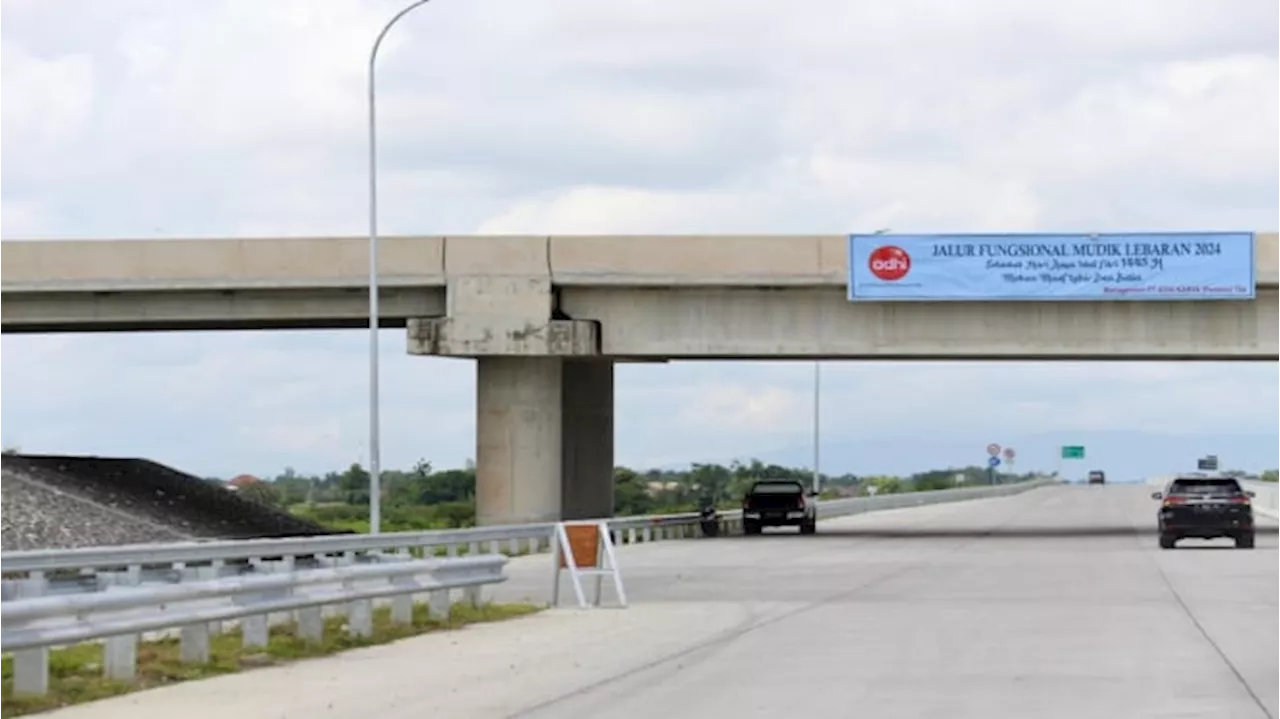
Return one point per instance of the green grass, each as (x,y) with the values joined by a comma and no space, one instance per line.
(75,673)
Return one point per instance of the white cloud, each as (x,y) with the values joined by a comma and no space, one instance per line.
(160,118)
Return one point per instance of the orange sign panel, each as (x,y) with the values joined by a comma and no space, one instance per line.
(584,542)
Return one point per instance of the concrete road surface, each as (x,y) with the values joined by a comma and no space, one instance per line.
(1055,603)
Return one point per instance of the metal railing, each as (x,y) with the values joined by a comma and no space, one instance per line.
(91,569)
(121,615)
(1266,497)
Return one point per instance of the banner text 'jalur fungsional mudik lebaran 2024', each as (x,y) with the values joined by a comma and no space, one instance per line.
(1048,267)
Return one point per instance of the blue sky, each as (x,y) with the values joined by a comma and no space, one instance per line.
(164,118)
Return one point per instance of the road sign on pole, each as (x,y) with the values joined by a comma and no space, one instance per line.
(993,449)
(993,462)
(1072,451)
(1009,454)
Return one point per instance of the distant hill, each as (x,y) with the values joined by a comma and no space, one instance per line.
(1125,456)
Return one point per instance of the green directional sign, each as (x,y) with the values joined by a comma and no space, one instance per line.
(1072,451)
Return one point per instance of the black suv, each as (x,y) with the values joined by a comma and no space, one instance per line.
(1205,507)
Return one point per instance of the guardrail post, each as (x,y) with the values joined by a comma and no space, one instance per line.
(402,604)
(254,631)
(311,624)
(120,658)
(474,595)
(31,672)
(34,585)
(210,572)
(438,604)
(360,618)
(193,644)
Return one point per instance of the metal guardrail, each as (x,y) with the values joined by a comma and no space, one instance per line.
(91,569)
(121,615)
(1266,499)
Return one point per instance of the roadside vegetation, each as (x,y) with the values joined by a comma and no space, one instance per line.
(423,498)
(75,672)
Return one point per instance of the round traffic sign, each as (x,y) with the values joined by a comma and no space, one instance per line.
(1009,454)
(993,462)
(993,449)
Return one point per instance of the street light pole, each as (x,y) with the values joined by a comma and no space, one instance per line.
(817,425)
(375,444)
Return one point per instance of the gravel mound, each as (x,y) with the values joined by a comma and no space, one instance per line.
(60,501)
(38,517)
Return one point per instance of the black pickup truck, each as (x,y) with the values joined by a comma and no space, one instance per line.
(779,503)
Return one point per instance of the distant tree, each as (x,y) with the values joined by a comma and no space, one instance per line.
(1270,475)
(630,493)
(354,484)
(261,492)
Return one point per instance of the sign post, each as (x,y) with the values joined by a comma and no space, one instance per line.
(1009,455)
(1069,452)
(585,549)
(993,451)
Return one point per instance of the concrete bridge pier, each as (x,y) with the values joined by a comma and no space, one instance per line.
(544,439)
(544,396)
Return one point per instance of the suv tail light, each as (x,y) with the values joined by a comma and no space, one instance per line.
(1239,499)
(1174,500)
(802,501)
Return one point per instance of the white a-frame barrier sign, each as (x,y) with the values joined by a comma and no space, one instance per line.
(586,550)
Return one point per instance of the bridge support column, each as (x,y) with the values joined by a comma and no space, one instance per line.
(587,439)
(544,439)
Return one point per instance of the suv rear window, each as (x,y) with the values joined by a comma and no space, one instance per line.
(1204,486)
(777,488)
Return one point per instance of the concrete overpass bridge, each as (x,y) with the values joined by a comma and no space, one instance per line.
(547,318)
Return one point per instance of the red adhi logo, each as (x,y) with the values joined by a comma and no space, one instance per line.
(889,263)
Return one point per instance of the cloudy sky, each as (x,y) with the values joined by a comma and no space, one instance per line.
(164,118)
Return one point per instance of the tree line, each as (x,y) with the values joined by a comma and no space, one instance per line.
(423,497)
